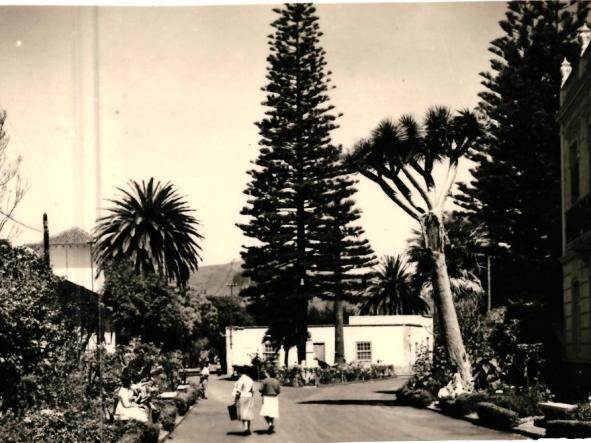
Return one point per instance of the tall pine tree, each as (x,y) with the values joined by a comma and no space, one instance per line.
(295,183)
(346,255)
(515,191)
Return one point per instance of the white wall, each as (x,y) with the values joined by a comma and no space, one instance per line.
(74,263)
(394,341)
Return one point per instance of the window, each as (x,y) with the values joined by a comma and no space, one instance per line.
(269,353)
(574,173)
(364,350)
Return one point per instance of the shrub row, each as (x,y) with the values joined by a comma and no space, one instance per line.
(463,405)
(136,432)
(418,398)
(496,416)
(168,414)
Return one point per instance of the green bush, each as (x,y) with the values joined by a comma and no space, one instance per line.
(168,415)
(136,432)
(583,412)
(463,405)
(182,403)
(419,398)
(568,429)
(193,395)
(525,403)
(496,417)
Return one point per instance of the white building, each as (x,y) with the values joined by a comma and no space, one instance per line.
(70,257)
(387,339)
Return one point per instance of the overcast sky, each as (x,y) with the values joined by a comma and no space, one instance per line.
(179,91)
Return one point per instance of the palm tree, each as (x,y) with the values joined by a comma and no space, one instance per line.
(391,292)
(151,225)
(399,157)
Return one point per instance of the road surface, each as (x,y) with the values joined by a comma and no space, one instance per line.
(340,413)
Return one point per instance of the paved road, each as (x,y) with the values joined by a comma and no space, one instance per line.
(343,413)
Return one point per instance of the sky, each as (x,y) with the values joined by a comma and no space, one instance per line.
(177,91)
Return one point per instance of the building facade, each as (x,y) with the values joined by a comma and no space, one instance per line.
(575,139)
(391,340)
(70,257)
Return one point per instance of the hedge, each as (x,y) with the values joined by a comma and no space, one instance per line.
(496,417)
(141,433)
(168,417)
(463,405)
(419,398)
(568,429)
(182,403)
(193,395)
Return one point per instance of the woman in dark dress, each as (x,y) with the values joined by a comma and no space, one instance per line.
(270,390)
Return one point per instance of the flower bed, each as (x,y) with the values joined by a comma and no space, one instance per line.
(300,376)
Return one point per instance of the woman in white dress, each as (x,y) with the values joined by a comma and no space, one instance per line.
(127,408)
(243,395)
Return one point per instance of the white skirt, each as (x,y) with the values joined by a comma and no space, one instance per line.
(270,407)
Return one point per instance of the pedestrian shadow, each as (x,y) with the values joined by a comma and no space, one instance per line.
(350,402)
(262,432)
(385,392)
(236,433)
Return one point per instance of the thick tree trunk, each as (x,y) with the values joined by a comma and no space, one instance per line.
(302,335)
(339,331)
(286,356)
(433,234)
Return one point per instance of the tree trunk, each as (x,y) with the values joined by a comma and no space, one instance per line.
(339,333)
(433,235)
(302,334)
(286,356)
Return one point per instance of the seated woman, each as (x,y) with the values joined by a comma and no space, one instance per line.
(127,408)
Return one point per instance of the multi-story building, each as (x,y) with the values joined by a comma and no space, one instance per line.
(575,139)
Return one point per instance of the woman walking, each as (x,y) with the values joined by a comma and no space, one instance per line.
(270,389)
(243,395)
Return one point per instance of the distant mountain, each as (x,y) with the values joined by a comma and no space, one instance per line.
(214,279)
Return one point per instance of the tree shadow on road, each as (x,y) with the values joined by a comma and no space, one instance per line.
(350,402)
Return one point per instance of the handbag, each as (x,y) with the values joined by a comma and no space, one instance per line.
(233,411)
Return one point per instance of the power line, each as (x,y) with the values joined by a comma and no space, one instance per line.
(18,222)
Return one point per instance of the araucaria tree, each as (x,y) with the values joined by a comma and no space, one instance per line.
(346,255)
(400,157)
(296,182)
(152,227)
(515,190)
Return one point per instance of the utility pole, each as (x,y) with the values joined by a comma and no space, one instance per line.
(231,286)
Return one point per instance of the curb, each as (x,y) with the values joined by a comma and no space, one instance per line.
(521,429)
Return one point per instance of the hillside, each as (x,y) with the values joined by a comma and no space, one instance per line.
(213,279)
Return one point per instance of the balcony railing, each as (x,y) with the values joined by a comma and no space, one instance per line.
(578,218)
